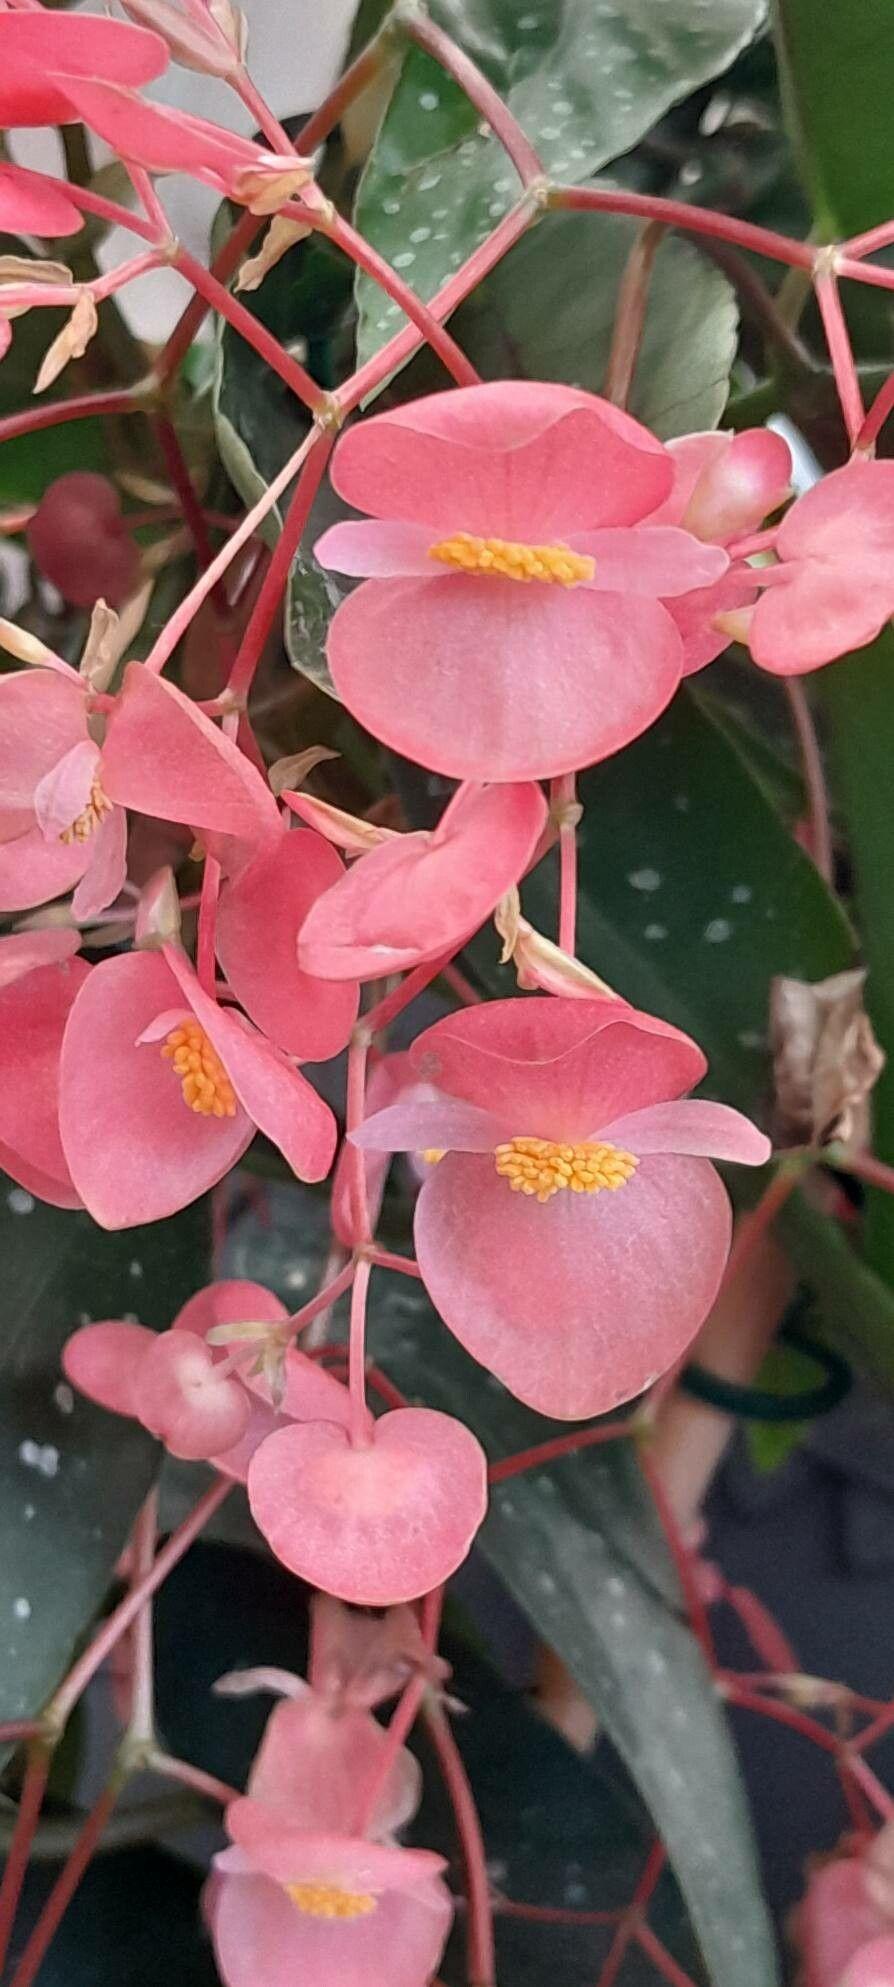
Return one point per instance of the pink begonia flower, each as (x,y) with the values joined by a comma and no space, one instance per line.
(724,486)
(304,1012)
(374,1521)
(833,589)
(58,826)
(425,893)
(162,1089)
(35,45)
(39,978)
(116,1364)
(32,204)
(573,1236)
(838,1921)
(511,624)
(288,1904)
(168,140)
(318,1756)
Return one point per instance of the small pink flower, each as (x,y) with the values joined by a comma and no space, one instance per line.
(287,1905)
(376,1520)
(162,1090)
(36,45)
(420,894)
(724,487)
(39,979)
(573,1236)
(58,826)
(172,1382)
(318,1756)
(511,624)
(833,589)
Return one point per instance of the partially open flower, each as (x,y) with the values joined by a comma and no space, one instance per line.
(573,1235)
(58,826)
(833,589)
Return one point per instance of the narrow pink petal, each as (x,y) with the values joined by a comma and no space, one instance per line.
(375,1523)
(42,715)
(64,791)
(34,1011)
(578,1304)
(416,896)
(135,1149)
(484,678)
(102,1360)
(33,871)
(655,561)
(377,547)
(30,204)
(151,134)
(22,951)
(163,756)
(301,1012)
(514,459)
(180,1397)
(104,879)
(440,1122)
(34,44)
(277,1098)
(693,1125)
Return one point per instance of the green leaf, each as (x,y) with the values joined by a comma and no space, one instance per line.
(71,1476)
(578,1547)
(838,86)
(534,317)
(585,83)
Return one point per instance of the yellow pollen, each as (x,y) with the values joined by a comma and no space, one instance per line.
(539,1167)
(433,1154)
(204,1081)
(553,565)
(90,818)
(329,1901)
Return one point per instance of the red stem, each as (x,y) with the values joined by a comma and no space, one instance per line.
(865,1166)
(872,1787)
(480,1955)
(190,507)
(552,1451)
(840,353)
(53,413)
(695,1607)
(207,933)
(451,355)
(872,1733)
(780,1714)
(359,1422)
(814,777)
(251,329)
(692,220)
(384,1259)
(30,1803)
(424,32)
(324,1298)
(876,418)
(633,1916)
(64,1888)
(393,1004)
(548,1914)
(661,1958)
(266,607)
(565,810)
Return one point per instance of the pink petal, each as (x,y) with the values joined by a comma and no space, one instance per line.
(378,548)
(836,1919)
(484,678)
(817,613)
(555,1068)
(315,1763)
(64,791)
(151,134)
(135,1149)
(262,1940)
(419,1123)
(102,1361)
(232,1301)
(262,1423)
(33,871)
(388,1076)
(847,521)
(694,615)
(655,561)
(44,1186)
(22,951)
(163,756)
(577,1304)
(304,1014)
(34,1011)
(311,1394)
(516,459)
(180,1397)
(30,204)
(34,44)
(414,897)
(104,879)
(873,1965)
(292,1853)
(42,715)
(693,1125)
(374,1523)
(278,1099)
(725,485)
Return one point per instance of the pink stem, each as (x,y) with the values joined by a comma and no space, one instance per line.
(30,1803)
(549,1914)
(462,987)
(224,266)
(399,1727)
(450,354)
(142,1702)
(661,1958)
(552,1451)
(814,777)
(359,1422)
(324,1298)
(564,799)
(268,602)
(757,541)
(13,1730)
(187,1775)
(780,1714)
(480,1955)
(53,413)
(64,1888)
(865,272)
(424,32)
(109,210)
(387,1009)
(872,1733)
(865,1166)
(633,1916)
(251,329)
(205,945)
(277,138)
(363,71)
(355,1107)
(868,243)
(384,1259)
(695,1607)
(840,353)
(190,507)
(876,418)
(692,220)
(872,1787)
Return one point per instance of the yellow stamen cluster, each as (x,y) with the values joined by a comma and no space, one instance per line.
(553,565)
(433,1154)
(205,1083)
(539,1167)
(330,1901)
(90,818)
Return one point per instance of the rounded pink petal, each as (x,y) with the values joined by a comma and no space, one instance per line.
(34,45)
(725,484)
(555,1068)
(22,951)
(104,877)
(579,1303)
(33,870)
(164,756)
(316,1761)
(518,459)
(816,613)
(296,1005)
(135,1150)
(693,1125)
(292,1853)
(101,1361)
(484,678)
(847,520)
(182,1398)
(231,1301)
(278,1099)
(34,1011)
(42,715)
(30,204)
(657,561)
(873,1965)
(412,898)
(836,1918)
(261,1939)
(373,1523)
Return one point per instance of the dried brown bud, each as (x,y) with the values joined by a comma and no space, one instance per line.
(826,1060)
(281,235)
(71,343)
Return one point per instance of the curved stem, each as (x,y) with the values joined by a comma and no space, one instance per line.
(630,313)
(451,355)
(554,1450)
(814,777)
(691,220)
(81,407)
(419,28)
(30,1803)
(207,934)
(876,418)
(190,508)
(697,1613)
(251,329)
(359,1423)
(840,352)
(65,1886)
(205,1784)
(275,579)
(480,1954)
(634,1916)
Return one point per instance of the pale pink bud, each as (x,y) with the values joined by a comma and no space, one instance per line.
(158,913)
(211,50)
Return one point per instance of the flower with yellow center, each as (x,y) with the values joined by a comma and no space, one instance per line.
(204,1081)
(90,818)
(541,1168)
(509,559)
(321,1900)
